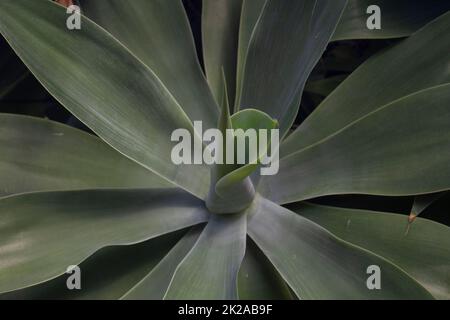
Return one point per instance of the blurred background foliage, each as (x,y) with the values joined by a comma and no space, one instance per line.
(21,93)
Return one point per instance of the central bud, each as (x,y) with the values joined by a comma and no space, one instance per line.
(238,147)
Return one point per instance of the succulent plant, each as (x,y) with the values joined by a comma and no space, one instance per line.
(141,227)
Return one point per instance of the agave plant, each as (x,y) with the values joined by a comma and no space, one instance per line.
(141,227)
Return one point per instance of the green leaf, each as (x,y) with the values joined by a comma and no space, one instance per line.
(287,42)
(158,33)
(41,234)
(96,78)
(107,274)
(224,123)
(318,265)
(241,194)
(156,283)
(42,155)
(244,120)
(258,279)
(415,64)
(250,13)
(210,269)
(399,149)
(424,253)
(220,31)
(399,18)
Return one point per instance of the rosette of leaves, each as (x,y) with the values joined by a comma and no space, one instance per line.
(141,227)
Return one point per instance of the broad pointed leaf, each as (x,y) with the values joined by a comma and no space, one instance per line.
(415,64)
(158,33)
(380,154)
(424,253)
(220,30)
(96,78)
(42,155)
(398,18)
(210,269)
(250,13)
(41,234)
(287,42)
(156,283)
(400,149)
(318,265)
(258,279)
(107,274)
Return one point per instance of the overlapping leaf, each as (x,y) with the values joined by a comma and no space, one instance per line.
(317,265)
(258,279)
(120,267)
(158,33)
(424,252)
(220,30)
(400,149)
(42,155)
(210,269)
(102,84)
(154,286)
(287,42)
(41,234)
(415,64)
